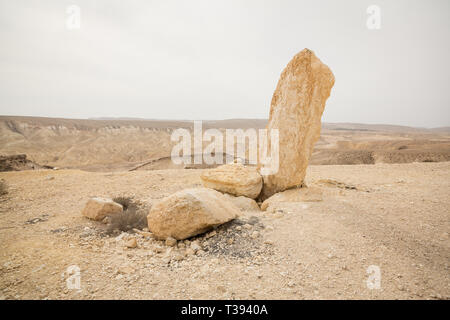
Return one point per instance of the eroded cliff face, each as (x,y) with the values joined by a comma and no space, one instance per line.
(82,143)
(113,145)
(104,145)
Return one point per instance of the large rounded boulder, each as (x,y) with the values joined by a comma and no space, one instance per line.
(190,212)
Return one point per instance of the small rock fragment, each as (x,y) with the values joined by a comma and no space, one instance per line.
(170,241)
(98,208)
(211,234)
(195,246)
(125,270)
(131,243)
(158,249)
(106,220)
(254,235)
(178,257)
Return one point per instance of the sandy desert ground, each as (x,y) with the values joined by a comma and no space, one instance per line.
(385,203)
(394,216)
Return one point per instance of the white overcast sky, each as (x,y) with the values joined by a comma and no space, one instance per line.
(222,59)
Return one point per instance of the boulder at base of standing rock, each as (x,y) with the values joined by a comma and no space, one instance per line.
(310,194)
(98,208)
(235,179)
(189,212)
(243,203)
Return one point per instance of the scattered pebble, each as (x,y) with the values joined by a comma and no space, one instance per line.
(211,234)
(178,257)
(170,242)
(132,243)
(106,220)
(125,270)
(278,215)
(158,249)
(254,235)
(195,246)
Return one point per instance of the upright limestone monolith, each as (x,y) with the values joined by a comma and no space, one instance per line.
(296,110)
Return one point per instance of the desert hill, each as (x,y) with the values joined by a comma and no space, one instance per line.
(123,144)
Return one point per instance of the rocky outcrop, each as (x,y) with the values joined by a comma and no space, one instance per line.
(311,194)
(296,110)
(189,212)
(98,208)
(19,162)
(235,179)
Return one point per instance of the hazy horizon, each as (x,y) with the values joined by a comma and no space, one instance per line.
(221,60)
(227,119)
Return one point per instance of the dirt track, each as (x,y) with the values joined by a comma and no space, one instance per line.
(398,218)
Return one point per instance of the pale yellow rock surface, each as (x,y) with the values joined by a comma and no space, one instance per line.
(190,212)
(98,208)
(243,203)
(310,194)
(296,110)
(235,179)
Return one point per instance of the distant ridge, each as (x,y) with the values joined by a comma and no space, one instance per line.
(125,143)
(227,123)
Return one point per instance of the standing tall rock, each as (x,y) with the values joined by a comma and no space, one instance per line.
(296,109)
